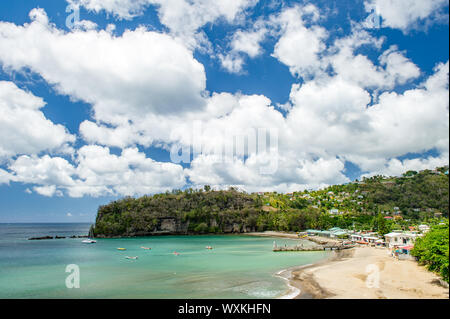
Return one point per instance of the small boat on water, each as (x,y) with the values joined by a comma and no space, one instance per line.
(146,248)
(176,253)
(209,247)
(121,249)
(88,241)
(133,258)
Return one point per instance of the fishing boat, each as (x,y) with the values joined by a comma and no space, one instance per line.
(209,247)
(146,248)
(176,253)
(88,241)
(133,258)
(121,249)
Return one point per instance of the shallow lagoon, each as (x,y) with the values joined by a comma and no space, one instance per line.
(239,266)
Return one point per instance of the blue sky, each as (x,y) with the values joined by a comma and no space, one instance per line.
(91,110)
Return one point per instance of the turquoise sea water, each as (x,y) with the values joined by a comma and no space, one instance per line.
(237,267)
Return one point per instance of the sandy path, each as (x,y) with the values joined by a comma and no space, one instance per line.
(354,276)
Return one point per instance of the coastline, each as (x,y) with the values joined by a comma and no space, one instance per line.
(359,273)
(306,288)
(345,276)
(341,274)
(305,281)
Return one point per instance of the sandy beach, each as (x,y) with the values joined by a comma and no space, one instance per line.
(352,274)
(274,234)
(360,273)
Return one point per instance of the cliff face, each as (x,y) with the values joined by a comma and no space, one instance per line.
(172,226)
(179,214)
(164,226)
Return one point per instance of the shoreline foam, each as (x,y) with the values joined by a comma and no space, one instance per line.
(292,290)
(286,274)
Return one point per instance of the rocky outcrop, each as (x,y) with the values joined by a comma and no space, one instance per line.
(40,238)
(56,237)
(168,224)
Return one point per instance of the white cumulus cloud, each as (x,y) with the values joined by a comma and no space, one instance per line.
(23,126)
(300,45)
(405,14)
(130,75)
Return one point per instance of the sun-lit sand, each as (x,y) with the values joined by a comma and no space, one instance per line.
(354,274)
(363,273)
(274,234)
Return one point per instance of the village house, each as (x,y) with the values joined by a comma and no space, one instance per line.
(424,228)
(356,237)
(334,211)
(368,238)
(397,239)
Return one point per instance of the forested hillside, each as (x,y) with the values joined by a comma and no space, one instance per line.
(377,203)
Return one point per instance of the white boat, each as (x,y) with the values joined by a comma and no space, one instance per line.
(88,241)
(134,258)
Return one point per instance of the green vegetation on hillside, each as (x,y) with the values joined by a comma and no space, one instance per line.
(199,211)
(377,203)
(432,250)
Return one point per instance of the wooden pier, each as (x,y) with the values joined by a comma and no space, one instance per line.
(317,248)
(320,246)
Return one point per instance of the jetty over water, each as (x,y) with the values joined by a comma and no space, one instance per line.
(316,248)
(320,244)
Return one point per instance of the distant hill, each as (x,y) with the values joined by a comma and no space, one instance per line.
(413,193)
(368,204)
